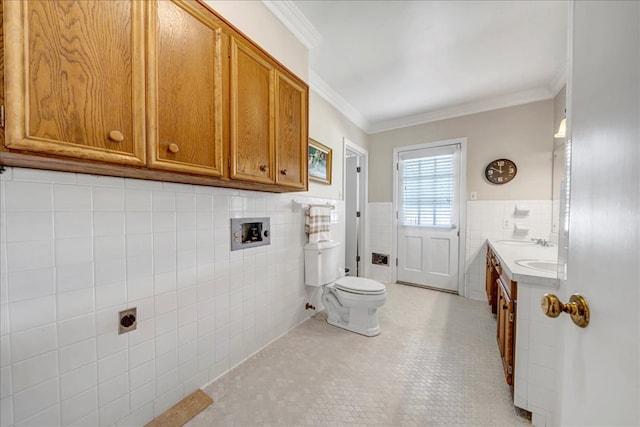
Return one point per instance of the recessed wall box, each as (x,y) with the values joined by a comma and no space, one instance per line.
(250,232)
(379,259)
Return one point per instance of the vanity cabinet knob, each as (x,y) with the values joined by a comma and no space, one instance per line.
(173,147)
(263,168)
(283,172)
(116,136)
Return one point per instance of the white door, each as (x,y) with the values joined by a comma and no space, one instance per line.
(600,368)
(428,216)
(352,209)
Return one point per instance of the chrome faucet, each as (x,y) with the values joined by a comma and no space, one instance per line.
(542,242)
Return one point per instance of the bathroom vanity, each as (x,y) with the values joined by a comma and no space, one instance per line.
(519,273)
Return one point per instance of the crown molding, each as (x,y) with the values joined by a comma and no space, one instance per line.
(558,81)
(474,107)
(295,21)
(320,87)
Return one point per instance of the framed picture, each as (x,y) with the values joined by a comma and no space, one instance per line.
(319,162)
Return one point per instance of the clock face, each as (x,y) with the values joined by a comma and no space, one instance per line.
(500,171)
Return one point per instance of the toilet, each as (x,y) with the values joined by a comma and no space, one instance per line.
(351,302)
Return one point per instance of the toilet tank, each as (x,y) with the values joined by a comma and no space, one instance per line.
(321,261)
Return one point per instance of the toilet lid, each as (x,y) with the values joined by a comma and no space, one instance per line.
(360,285)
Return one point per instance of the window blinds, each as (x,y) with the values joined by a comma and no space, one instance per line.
(428,191)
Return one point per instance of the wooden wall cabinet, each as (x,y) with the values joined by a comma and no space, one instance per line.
(291,132)
(191,100)
(72,92)
(268,120)
(184,88)
(252,147)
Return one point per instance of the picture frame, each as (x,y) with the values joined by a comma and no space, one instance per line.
(320,160)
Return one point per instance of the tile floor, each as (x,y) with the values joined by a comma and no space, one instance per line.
(435,363)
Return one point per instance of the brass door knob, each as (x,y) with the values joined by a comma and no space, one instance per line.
(174,148)
(577,308)
(116,136)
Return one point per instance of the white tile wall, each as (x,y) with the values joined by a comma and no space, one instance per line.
(75,249)
(485,220)
(380,239)
(537,341)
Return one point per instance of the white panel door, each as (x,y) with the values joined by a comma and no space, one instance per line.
(428,217)
(599,368)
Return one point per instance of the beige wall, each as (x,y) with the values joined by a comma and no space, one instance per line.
(259,24)
(523,134)
(329,127)
(326,124)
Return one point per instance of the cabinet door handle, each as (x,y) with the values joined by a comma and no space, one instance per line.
(283,172)
(504,307)
(263,168)
(174,148)
(116,136)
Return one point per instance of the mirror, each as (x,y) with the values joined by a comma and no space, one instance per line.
(560,182)
(556,191)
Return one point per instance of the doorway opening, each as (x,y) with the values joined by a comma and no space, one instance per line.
(429,235)
(356,160)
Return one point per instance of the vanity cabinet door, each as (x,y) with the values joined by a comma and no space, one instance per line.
(505,334)
(71,92)
(490,280)
(185,88)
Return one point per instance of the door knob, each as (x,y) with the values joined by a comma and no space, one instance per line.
(577,308)
(173,147)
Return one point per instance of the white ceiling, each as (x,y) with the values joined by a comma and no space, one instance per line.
(390,64)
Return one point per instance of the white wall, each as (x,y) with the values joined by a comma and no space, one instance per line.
(523,134)
(76,249)
(485,220)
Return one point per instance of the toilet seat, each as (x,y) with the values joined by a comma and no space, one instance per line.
(360,286)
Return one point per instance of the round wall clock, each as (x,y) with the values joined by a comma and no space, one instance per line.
(500,171)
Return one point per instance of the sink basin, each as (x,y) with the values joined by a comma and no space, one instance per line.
(538,264)
(516,242)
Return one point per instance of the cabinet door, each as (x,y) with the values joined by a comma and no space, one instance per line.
(489,282)
(185,88)
(291,132)
(506,330)
(501,317)
(75,79)
(252,105)
(509,341)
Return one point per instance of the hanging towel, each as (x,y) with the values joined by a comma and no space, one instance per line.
(317,222)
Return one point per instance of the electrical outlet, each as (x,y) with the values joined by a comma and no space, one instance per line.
(506,223)
(127,320)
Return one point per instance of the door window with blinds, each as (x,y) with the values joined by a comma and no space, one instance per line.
(428,187)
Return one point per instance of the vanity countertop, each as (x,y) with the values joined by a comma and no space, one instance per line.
(511,254)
